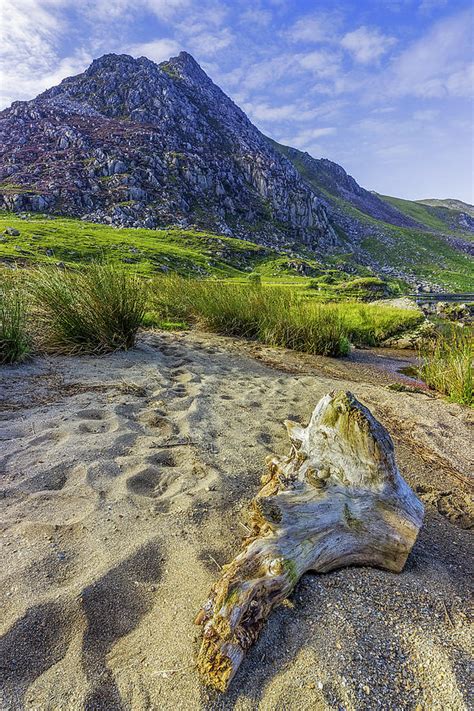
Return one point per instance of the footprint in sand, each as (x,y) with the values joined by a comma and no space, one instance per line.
(100,474)
(159,423)
(94,422)
(181,404)
(155,482)
(90,414)
(165,458)
(264,438)
(53,479)
(49,438)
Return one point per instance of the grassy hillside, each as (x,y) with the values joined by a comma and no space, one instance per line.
(72,241)
(423,254)
(197,253)
(421,213)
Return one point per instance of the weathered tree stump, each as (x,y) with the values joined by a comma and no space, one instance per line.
(338,499)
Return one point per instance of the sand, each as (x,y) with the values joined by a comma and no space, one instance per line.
(125,480)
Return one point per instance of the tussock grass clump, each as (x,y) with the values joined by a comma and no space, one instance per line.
(279,316)
(446,366)
(93,311)
(370,325)
(14,339)
(272,315)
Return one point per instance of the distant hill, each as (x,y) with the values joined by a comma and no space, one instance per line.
(451,204)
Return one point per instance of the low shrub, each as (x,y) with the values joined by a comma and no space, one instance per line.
(95,310)
(366,288)
(255,278)
(14,339)
(446,365)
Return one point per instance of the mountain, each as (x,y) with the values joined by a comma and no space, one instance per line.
(134,143)
(411,240)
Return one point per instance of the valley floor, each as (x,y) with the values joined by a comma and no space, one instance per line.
(125,481)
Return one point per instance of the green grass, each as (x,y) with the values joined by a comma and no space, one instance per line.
(73,242)
(447,366)
(200,253)
(421,213)
(96,310)
(425,256)
(370,325)
(278,316)
(14,340)
(272,315)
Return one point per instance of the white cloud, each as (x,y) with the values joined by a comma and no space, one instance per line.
(367,44)
(157,50)
(163,9)
(288,112)
(209,43)
(254,16)
(322,63)
(204,30)
(315,28)
(29,44)
(437,65)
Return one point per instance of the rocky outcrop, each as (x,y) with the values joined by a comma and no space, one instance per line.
(329,180)
(133,143)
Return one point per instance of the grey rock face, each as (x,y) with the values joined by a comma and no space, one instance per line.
(330,179)
(133,143)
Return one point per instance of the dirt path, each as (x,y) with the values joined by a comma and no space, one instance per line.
(125,480)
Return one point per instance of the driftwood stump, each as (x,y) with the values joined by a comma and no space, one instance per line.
(338,499)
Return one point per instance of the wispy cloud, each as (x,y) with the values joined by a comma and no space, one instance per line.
(367,44)
(314,28)
(324,64)
(305,139)
(30,32)
(439,63)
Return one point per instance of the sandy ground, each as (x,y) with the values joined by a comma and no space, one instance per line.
(125,481)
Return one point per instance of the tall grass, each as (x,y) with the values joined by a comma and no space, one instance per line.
(272,315)
(279,316)
(446,366)
(14,340)
(92,311)
(275,316)
(371,325)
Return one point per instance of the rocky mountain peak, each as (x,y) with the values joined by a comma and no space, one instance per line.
(185,65)
(134,143)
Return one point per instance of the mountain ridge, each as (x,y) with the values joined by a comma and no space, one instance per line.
(133,143)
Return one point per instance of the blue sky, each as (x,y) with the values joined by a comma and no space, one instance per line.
(383,87)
